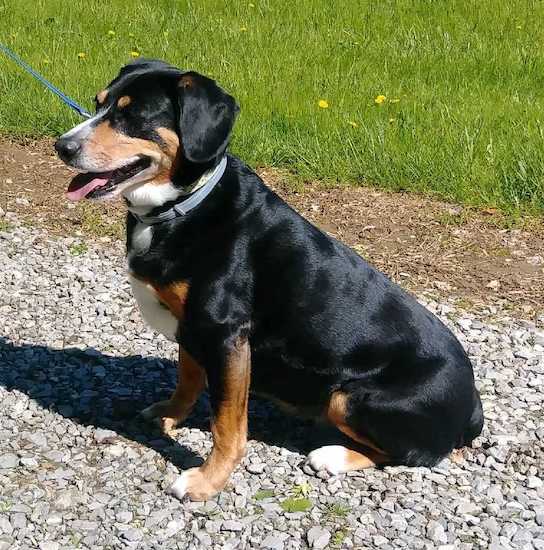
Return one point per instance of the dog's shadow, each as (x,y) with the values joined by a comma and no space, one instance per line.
(108,392)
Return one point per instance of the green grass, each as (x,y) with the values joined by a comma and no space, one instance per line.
(5,506)
(338,537)
(5,226)
(262,494)
(468,74)
(78,249)
(337,510)
(293,504)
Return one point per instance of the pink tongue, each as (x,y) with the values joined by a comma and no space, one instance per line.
(81,185)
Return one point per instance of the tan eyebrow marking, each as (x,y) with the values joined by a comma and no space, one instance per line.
(124,101)
(186,81)
(101,96)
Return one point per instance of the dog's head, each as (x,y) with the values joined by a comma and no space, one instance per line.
(152,123)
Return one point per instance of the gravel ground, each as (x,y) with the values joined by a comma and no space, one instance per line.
(78,469)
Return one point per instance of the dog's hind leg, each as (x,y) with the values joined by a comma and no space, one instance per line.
(191,383)
(336,459)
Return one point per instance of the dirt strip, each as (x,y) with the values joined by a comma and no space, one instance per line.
(426,245)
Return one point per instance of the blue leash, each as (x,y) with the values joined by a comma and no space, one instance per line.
(70,102)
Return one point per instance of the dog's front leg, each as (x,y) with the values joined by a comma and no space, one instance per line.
(229,389)
(174,411)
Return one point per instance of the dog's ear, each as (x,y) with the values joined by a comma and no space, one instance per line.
(206,118)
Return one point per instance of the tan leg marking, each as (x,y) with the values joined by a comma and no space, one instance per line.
(191,383)
(337,458)
(356,460)
(336,414)
(229,430)
(174,297)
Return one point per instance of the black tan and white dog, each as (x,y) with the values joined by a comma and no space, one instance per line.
(256,296)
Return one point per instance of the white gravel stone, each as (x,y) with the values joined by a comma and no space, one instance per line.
(318,537)
(132,534)
(274,541)
(466,507)
(534,482)
(255,468)
(104,436)
(435,531)
(8,460)
(232,525)
(124,516)
(5,526)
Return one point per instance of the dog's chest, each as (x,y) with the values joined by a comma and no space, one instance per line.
(141,240)
(162,307)
(155,312)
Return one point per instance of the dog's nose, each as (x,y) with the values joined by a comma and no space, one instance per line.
(67,148)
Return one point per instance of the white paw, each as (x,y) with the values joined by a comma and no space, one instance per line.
(332,458)
(195,484)
(178,489)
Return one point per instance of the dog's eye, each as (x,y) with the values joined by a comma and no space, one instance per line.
(117,117)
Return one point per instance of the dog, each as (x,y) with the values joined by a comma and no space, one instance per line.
(257,297)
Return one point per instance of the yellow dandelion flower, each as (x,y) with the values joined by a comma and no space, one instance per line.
(379,99)
(518,27)
(111,33)
(353,123)
(81,55)
(391,120)
(395,100)
(323,104)
(243,29)
(134,53)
